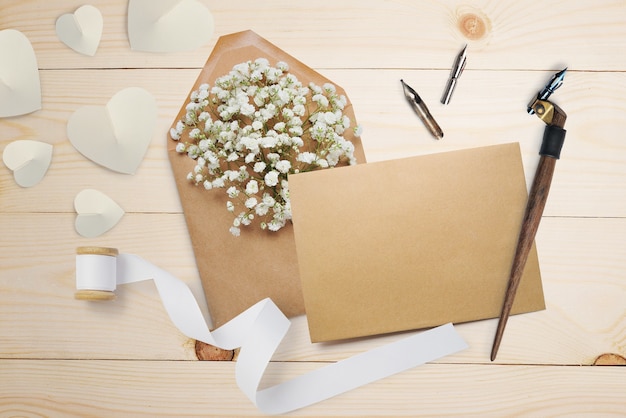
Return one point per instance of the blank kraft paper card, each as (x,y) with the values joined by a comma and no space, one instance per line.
(411,243)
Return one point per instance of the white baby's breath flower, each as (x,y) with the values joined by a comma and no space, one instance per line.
(259,167)
(243,174)
(321,100)
(283,166)
(247,109)
(231,175)
(218,182)
(280,126)
(297,142)
(307,157)
(261,209)
(330,118)
(203,94)
(251,202)
(257,125)
(275,225)
(271,178)
(193,151)
(253,128)
(268,142)
(232,192)
(252,187)
(273,157)
(329,88)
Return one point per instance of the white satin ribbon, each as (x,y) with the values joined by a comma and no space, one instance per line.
(259,330)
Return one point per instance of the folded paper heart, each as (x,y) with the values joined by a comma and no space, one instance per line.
(97,213)
(81,30)
(117,135)
(29,161)
(20,88)
(168,25)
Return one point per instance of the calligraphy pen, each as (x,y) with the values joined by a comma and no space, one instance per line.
(553,138)
(421,110)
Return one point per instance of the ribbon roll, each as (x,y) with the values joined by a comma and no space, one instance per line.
(258,331)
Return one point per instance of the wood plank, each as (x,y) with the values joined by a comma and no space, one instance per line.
(163,388)
(40,317)
(70,358)
(585,292)
(582,260)
(364,34)
(153,189)
(488,108)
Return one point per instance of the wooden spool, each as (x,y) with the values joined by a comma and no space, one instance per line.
(89,294)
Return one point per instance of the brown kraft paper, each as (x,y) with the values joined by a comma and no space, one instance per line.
(411,243)
(237,272)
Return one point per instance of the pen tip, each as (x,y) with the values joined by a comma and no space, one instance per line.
(494,350)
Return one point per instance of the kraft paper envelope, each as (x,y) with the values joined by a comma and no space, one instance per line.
(411,243)
(237,272)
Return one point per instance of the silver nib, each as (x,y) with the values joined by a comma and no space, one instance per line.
(419,107)
(455,73)
(555,82)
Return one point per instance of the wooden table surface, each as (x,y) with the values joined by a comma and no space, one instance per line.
(63,357)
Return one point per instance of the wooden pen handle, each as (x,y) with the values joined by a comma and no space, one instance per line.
(553,139)
(536,202)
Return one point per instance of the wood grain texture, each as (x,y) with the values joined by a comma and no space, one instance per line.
(589,182)
(362,34)
(582,262)
(537,198)
(164,388)
(64,357)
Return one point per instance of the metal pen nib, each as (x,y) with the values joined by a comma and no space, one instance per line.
(555,82)
(455,73)
(422,111)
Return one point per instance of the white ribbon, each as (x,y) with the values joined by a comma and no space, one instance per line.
(259,330)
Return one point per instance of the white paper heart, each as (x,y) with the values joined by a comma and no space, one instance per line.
(20,88)
(81,30)
(29,160)
(117,135)
(168,25)
(97,213)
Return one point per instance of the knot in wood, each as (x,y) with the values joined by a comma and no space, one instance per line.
(473,26)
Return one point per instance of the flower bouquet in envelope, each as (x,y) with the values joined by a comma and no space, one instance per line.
(254,116)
